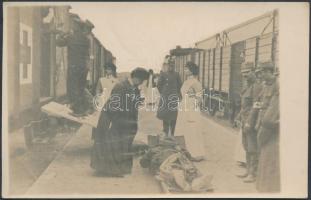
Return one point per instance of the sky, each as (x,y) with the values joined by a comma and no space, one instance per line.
(140,34)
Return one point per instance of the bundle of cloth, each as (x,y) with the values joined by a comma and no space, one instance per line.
(171,164)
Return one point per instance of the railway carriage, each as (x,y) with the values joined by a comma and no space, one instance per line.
(222,57)
(37,67)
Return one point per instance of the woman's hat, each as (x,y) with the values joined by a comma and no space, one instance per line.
(110,66)
(193,68)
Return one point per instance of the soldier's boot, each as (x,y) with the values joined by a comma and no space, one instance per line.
(250,179)
(252,171)
(244,175)
(241,164)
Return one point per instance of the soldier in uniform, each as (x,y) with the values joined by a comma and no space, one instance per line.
(78,55)
(248,141)
(169,85)
(268,174)
(249,127)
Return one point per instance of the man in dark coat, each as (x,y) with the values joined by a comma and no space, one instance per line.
(78,56)
(268,174)
(169,85)
(117,126)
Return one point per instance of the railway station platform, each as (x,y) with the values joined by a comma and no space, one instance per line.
(70,173)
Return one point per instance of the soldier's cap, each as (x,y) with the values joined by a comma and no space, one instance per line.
(276,71)
(258,69)
(76,18)
(244,70)
(251,78)
(266,65)
(89,24)
(247,67)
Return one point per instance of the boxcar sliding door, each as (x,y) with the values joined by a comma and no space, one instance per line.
(237,59)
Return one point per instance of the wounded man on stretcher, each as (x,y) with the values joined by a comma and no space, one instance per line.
(171,164)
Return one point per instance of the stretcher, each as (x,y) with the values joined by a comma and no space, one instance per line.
(60,110)
(63,111)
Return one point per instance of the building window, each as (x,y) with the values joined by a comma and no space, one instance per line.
(25,54)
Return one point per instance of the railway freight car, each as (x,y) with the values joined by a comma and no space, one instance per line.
(36,66)
(106,57)
(179,57)
(99,58)
(222,57)
(94,62)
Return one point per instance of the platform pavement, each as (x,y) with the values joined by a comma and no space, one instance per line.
(70,172)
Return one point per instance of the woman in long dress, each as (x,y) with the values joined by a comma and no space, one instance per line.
(189,120)
(112,153)
(103,90)
(106,84)
(150,89)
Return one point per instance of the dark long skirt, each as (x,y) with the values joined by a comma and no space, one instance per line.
(112,151)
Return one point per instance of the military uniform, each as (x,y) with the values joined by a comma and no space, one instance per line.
(250,132)
(169,85)
(248,142)
(268,174)
(249,137)
(246,106)
(78,55)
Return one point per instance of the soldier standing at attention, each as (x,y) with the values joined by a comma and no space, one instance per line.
(169,85)
(246,107)
(249,127)
(268,174)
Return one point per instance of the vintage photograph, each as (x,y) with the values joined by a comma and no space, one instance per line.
(147,98)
